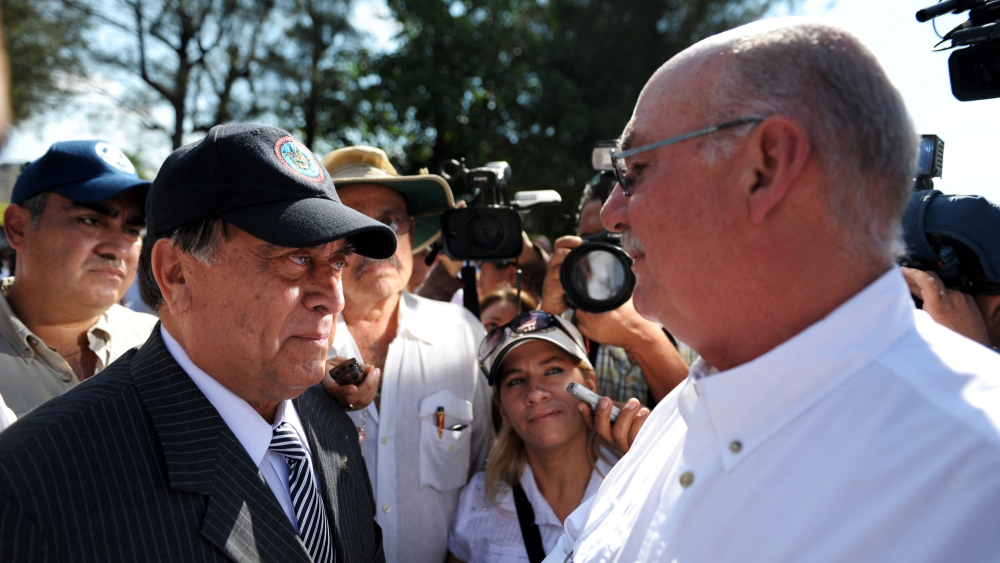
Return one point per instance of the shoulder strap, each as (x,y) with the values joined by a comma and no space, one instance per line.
(529,530)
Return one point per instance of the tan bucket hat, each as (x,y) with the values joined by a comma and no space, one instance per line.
(427,195)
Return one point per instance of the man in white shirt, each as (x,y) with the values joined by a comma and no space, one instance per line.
(763,178)
(427,351)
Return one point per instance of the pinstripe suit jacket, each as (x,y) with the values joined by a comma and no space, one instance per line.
(135,464)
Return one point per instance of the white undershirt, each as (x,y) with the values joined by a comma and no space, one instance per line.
(253,432)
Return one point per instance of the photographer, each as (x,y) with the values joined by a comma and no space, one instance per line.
(632,356)
(956,236)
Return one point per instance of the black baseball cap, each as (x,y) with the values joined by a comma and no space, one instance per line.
(83,171)
(264,181)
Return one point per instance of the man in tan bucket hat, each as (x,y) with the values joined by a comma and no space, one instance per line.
(417,460)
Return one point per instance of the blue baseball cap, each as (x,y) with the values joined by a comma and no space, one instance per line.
(83,171)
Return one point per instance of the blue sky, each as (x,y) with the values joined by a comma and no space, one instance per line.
(971,130)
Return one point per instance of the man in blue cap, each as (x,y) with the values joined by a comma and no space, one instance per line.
(76,219)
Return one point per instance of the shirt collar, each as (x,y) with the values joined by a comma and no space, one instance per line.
(412,321)
(750,402)
(543,510)
(253,432)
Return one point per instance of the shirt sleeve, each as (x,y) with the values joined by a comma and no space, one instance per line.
(459,541)
(482,415)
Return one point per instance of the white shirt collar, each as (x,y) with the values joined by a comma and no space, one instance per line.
(750,402)
(253,432)
(409,320)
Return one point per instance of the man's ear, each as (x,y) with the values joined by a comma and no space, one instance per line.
(781,149)
(168,265)
(16,220)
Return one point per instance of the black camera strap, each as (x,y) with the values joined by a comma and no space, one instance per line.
(529,529)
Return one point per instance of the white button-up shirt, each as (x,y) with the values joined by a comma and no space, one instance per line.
(416,475)
(491,533)
(253,432)
(873,435)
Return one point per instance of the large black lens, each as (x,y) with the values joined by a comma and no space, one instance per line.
(485,232)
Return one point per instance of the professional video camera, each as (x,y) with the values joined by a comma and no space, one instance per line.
(954,236)
(975,70)
(491,231)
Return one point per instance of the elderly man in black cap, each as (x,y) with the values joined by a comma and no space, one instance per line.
(75,220)
(213,441)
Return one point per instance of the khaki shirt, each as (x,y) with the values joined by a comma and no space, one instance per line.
(32,373)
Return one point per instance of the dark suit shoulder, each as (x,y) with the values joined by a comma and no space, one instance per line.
(71,412)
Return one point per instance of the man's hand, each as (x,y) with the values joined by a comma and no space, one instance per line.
(950,308)
(352,397)
(553,297)
(622,327)
(621,434)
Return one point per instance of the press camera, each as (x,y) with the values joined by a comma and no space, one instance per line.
(492,229)
(954,236)
(974,70)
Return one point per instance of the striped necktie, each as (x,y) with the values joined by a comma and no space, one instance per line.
(314,528)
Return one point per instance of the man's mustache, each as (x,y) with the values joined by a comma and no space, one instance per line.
(366,262)
(631,243)
(101,263)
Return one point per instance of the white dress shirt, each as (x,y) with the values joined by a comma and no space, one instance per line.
(873,435)
(253,432)
(417,476)
(488,533)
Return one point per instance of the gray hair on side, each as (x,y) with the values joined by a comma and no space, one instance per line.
(859,127)
(201,239)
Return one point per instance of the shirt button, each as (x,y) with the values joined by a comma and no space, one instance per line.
(687,478)
(735,446)
(451,448)
(385,508)
(384,441)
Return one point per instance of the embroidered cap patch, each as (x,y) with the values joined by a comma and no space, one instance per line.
(114,156)
(298,159)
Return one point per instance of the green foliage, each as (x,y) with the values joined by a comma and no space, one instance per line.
(532,82)
(45,46)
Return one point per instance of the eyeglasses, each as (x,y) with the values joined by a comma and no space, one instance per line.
(618,158)
(400,224)
(532,321)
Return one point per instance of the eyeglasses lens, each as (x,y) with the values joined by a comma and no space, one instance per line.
(399,225)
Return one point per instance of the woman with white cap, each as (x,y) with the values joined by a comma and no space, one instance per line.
(546,460)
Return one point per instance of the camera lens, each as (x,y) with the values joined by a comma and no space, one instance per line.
(485,231)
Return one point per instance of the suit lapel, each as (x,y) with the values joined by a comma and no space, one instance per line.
(242,517)
(340,467)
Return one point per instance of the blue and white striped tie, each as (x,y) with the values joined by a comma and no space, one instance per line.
(314,528)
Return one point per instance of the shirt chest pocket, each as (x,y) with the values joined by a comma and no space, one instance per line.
(444,454)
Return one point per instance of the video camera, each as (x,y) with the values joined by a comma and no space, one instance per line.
(954,236)
(975,70)
(491,231)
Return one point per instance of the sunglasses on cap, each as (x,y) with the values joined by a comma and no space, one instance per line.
(535,325)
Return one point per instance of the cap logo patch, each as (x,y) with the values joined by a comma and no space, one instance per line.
(298,159)
(114,156)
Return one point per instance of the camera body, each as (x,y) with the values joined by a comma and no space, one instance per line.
(974,70)
(954,236)
(491,231)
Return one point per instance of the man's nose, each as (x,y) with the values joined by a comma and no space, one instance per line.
(325,293)
(116,242)
(613,214)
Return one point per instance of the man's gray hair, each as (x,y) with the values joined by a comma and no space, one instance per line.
(36,207)
(858,124)
(201,239)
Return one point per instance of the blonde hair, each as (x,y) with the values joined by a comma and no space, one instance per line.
(508,455)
